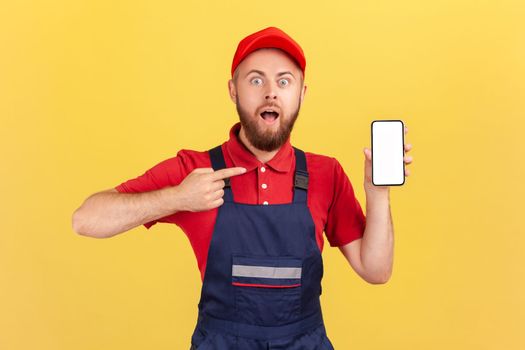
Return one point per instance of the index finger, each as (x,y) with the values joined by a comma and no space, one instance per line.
(227,172)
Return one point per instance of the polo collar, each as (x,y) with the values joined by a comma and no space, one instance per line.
(242,157)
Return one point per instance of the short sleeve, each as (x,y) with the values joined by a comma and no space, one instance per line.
(346,221)
(169,172)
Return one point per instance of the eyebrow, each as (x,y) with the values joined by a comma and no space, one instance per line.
(262,73)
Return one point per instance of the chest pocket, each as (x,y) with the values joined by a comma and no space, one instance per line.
(267,289)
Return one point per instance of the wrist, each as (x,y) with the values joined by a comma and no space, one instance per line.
(373,192)
(170,198)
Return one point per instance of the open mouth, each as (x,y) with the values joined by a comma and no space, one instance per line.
(269,116)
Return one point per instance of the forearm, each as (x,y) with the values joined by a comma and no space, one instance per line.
(106,214)
(377,246)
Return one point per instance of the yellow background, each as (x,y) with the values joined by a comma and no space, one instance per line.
(93,93)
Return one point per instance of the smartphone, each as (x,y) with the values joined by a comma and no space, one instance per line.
(388,151)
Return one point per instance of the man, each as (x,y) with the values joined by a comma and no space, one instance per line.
(254,209)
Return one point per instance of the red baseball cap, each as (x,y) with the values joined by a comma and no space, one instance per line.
(270,37)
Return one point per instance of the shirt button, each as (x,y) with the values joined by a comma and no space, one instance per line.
(264,185)
(265,203)
(263,169)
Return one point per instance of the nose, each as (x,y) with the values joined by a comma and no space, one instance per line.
(270,95)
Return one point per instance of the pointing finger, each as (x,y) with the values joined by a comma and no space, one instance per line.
(227,172)
(203,170)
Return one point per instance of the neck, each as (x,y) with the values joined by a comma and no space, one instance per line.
(262,156)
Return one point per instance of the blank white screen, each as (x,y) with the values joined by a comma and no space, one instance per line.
(387,153)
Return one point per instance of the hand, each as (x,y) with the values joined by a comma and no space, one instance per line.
(369,186)
(202,189)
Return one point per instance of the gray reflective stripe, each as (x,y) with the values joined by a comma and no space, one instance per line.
(266,271)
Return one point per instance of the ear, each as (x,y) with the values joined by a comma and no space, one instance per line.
(232,90)
(303,93)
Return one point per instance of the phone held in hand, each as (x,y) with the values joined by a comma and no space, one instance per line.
(388,151)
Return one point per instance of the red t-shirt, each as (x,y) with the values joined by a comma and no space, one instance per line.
(331,200)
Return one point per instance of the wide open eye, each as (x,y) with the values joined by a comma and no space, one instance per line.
(256,81)
(284,82)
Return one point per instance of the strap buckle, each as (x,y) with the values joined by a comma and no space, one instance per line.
(301,179)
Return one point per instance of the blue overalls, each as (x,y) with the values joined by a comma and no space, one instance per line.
(262,284)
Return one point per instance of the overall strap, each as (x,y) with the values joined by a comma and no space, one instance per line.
(217,162)
(300,177)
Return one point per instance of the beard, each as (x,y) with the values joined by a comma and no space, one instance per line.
(266,140)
